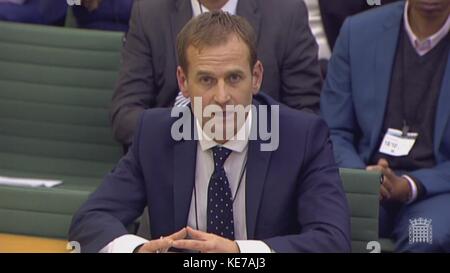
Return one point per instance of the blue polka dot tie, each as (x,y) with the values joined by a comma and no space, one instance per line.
(220,201)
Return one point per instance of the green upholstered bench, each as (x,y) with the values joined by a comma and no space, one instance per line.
(71,21)
(362,190)
(387,245)
(55,89)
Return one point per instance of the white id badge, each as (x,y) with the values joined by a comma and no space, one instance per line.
(395,144)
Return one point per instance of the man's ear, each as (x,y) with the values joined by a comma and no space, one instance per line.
(182,81)
(258,71)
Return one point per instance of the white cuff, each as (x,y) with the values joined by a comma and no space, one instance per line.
(413,186)
(124,244)
(252,246)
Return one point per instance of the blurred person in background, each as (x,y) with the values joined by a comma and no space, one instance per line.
(104,15)
(326,18)
(386,101)
(46,12)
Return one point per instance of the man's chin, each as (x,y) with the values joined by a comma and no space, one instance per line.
(223,135)
(224,127)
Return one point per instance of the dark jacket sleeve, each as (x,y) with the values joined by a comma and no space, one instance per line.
(300,71)
(118,201)
(337,103)
(135,90)
(322,209)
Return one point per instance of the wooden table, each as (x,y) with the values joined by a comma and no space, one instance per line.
(11,243)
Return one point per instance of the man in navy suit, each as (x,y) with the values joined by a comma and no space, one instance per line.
(386,100)
(221,193)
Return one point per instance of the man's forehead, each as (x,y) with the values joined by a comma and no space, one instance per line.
(203,59)
(224,70)
(231,44)
(236,66)
(218,51)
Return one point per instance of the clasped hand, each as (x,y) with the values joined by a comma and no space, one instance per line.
(191,239)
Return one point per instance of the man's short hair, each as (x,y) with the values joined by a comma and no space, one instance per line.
(214,29)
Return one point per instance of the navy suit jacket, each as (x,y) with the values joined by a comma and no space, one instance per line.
(355,95)
(294,196)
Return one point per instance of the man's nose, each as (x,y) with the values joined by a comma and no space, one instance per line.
(221,96)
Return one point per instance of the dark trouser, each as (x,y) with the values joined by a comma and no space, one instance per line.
(397,222)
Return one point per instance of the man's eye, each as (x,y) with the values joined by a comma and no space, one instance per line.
(206,80)
(235,78)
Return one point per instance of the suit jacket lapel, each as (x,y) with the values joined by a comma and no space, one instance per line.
(249,10)
(179,17)
(443,111)
(185,158)
(386,49)
(257,166)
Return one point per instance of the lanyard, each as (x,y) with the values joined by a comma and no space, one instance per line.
(200,6)
(407,122)
(234,196)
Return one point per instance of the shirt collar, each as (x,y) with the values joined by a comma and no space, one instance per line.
(229,7)
(234,144)
(423,47)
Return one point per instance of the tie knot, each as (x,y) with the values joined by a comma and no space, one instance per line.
(220,154)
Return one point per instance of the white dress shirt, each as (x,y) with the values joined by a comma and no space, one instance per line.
(234,168)
(422,47)
(316,25)
(229,7)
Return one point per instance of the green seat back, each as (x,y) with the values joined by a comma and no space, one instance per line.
(55,89)
(71,21)
(362,190)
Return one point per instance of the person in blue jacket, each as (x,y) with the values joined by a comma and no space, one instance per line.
(47,12)
(386,101)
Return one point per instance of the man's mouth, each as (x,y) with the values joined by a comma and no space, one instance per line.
(226,115)
(429,6)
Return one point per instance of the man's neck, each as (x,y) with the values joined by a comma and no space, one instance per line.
(425,26)
(213,4)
